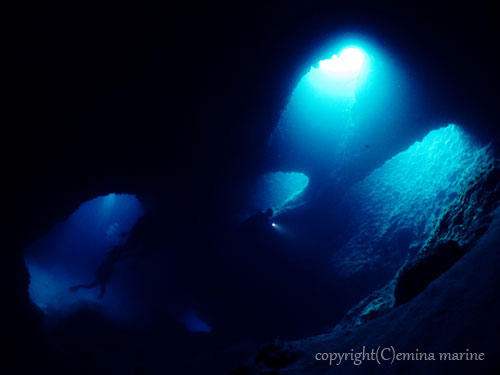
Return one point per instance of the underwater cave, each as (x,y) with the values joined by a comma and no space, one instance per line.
(292,194)
(278,191)
(69,254)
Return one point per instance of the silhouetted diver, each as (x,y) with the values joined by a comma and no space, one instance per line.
(132,247)
(258,221)
(103,273)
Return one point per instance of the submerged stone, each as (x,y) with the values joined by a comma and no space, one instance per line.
(398,205)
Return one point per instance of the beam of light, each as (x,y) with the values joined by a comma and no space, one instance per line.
(352,89)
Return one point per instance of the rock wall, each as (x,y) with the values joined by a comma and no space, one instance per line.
(441,300)
(397,206)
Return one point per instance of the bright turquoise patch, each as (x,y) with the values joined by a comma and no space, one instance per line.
(400,202)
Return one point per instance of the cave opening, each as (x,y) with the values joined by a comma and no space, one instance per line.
(379,175)
(71,252)
(353,194)
(336,122)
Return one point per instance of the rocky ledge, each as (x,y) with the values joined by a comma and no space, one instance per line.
(441,300)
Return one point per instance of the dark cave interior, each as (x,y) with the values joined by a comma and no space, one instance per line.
(175,106)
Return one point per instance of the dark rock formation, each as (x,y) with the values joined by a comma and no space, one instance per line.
(416,275)
(375,304)
(270,359)
(112,99)
(277,355)
(456,312)
(465,220)
(433,289)
(461,225)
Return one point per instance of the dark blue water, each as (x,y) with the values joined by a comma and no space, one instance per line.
(355,182)
(376,187)
(72,251)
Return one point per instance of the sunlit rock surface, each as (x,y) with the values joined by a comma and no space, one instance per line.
(397,206)
(460,226)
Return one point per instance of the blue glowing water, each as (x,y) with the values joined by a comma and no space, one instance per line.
(338,107)
(71,252)
(400,202)
(279,191)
